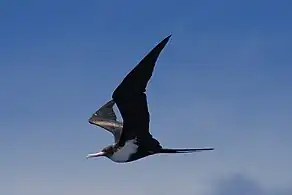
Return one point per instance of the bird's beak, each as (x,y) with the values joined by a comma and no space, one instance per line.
(96,155)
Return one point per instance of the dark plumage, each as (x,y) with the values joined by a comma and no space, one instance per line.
(134,141)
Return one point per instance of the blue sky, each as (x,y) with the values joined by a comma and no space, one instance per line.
(223,80)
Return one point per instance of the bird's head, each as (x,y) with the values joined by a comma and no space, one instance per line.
(107,152)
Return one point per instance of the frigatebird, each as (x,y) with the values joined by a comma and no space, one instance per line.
(133,139)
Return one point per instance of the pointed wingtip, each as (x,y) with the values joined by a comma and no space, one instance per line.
(159,47)
(167,38)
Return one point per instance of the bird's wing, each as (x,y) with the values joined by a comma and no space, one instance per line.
(107,111)
(131,99)
(106,118)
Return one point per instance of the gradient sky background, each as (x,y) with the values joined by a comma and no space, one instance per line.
(224,80)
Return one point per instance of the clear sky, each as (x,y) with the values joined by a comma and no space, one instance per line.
(224,81)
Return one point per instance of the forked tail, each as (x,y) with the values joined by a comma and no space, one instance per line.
(189,150)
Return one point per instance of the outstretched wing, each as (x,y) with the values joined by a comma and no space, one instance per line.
(106,118)
(107,111)
(131,99)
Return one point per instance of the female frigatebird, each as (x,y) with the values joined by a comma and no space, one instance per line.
(133,140)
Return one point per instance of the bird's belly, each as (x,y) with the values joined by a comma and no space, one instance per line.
(124,153)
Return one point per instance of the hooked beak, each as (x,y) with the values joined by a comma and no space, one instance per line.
(95,155)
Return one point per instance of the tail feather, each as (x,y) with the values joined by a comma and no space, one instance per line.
(189,150)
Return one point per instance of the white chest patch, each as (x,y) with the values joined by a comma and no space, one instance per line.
(124,153)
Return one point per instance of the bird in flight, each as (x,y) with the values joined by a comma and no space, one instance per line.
(132,139)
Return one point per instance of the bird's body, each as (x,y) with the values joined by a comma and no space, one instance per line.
(125,153)
(133,140)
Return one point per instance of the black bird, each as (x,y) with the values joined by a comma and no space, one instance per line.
(133,140)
